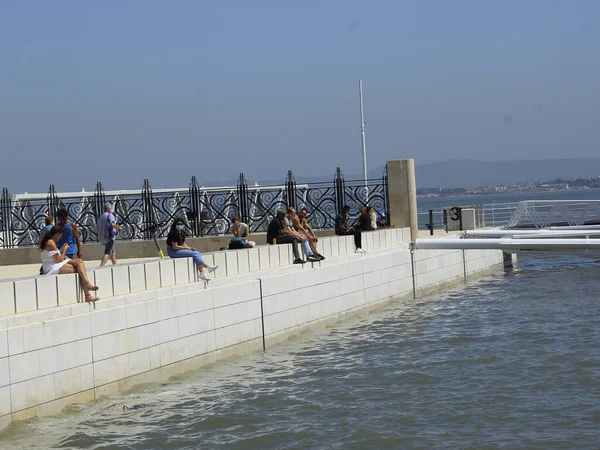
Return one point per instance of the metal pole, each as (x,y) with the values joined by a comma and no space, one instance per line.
(364,145)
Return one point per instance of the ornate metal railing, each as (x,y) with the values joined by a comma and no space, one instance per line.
(206,211)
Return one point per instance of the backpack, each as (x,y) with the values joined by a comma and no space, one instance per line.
(236,243)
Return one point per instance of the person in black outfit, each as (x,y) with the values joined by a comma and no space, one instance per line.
(276,234)
(343,229)
(177,248)
(364,220)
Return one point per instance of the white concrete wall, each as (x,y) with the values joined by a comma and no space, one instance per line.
(159,322)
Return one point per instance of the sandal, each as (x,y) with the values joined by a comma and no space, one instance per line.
(90,299)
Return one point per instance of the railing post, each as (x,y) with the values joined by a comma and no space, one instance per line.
(98,204)
(445,219)
(5,219)
(52,201)
(290,190)
(430,224)
(338,183)
(148,205)
(386,194)
(194,214)
(242,191)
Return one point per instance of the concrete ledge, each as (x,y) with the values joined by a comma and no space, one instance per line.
(131,249)
(44,292)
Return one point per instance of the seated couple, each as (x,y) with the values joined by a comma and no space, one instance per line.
(55,261)
(292,230)
(177,248)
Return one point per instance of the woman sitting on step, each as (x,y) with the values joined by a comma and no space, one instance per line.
(177,248)
(55,261)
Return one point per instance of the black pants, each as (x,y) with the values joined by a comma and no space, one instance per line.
(355,233)
(289,239)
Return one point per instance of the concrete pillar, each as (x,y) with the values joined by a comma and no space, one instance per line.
(402,191)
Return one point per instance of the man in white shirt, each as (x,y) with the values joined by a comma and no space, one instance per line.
(241,230)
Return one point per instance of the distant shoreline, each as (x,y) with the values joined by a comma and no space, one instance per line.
(490,192)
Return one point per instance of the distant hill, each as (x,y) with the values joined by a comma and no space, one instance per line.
(469,173)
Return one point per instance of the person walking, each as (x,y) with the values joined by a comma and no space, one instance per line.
(107,233)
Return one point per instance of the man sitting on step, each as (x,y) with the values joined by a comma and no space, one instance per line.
(278,233)
(298,226)
(302,238)
(240,232)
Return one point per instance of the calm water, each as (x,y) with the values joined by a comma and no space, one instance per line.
(509,362)
(424,204)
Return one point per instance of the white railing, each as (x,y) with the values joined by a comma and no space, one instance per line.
(488,215)
(545,213)
(527,214)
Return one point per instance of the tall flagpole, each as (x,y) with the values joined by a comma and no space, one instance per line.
(364,144)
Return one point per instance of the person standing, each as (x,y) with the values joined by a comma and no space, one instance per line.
(70,235)
(107,233)
(49,223)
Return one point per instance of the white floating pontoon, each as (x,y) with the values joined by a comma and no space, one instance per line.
(514,240)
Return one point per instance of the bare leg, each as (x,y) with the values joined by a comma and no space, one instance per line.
(113,258)
(104,259)
(79,266)
(72,268)
(313,246)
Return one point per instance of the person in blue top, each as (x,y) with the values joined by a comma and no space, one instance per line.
(70,235)
(107,228)
(49,223)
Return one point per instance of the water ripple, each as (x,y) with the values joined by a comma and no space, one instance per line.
(512,361)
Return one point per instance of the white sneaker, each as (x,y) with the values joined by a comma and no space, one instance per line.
(360,250)
(211,269)
(202,276)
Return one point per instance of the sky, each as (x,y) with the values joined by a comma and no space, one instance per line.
(118,91)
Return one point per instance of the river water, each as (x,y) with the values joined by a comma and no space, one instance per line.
(438,203)
(507,362)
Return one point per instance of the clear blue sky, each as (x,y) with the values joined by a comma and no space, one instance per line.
(117,91)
